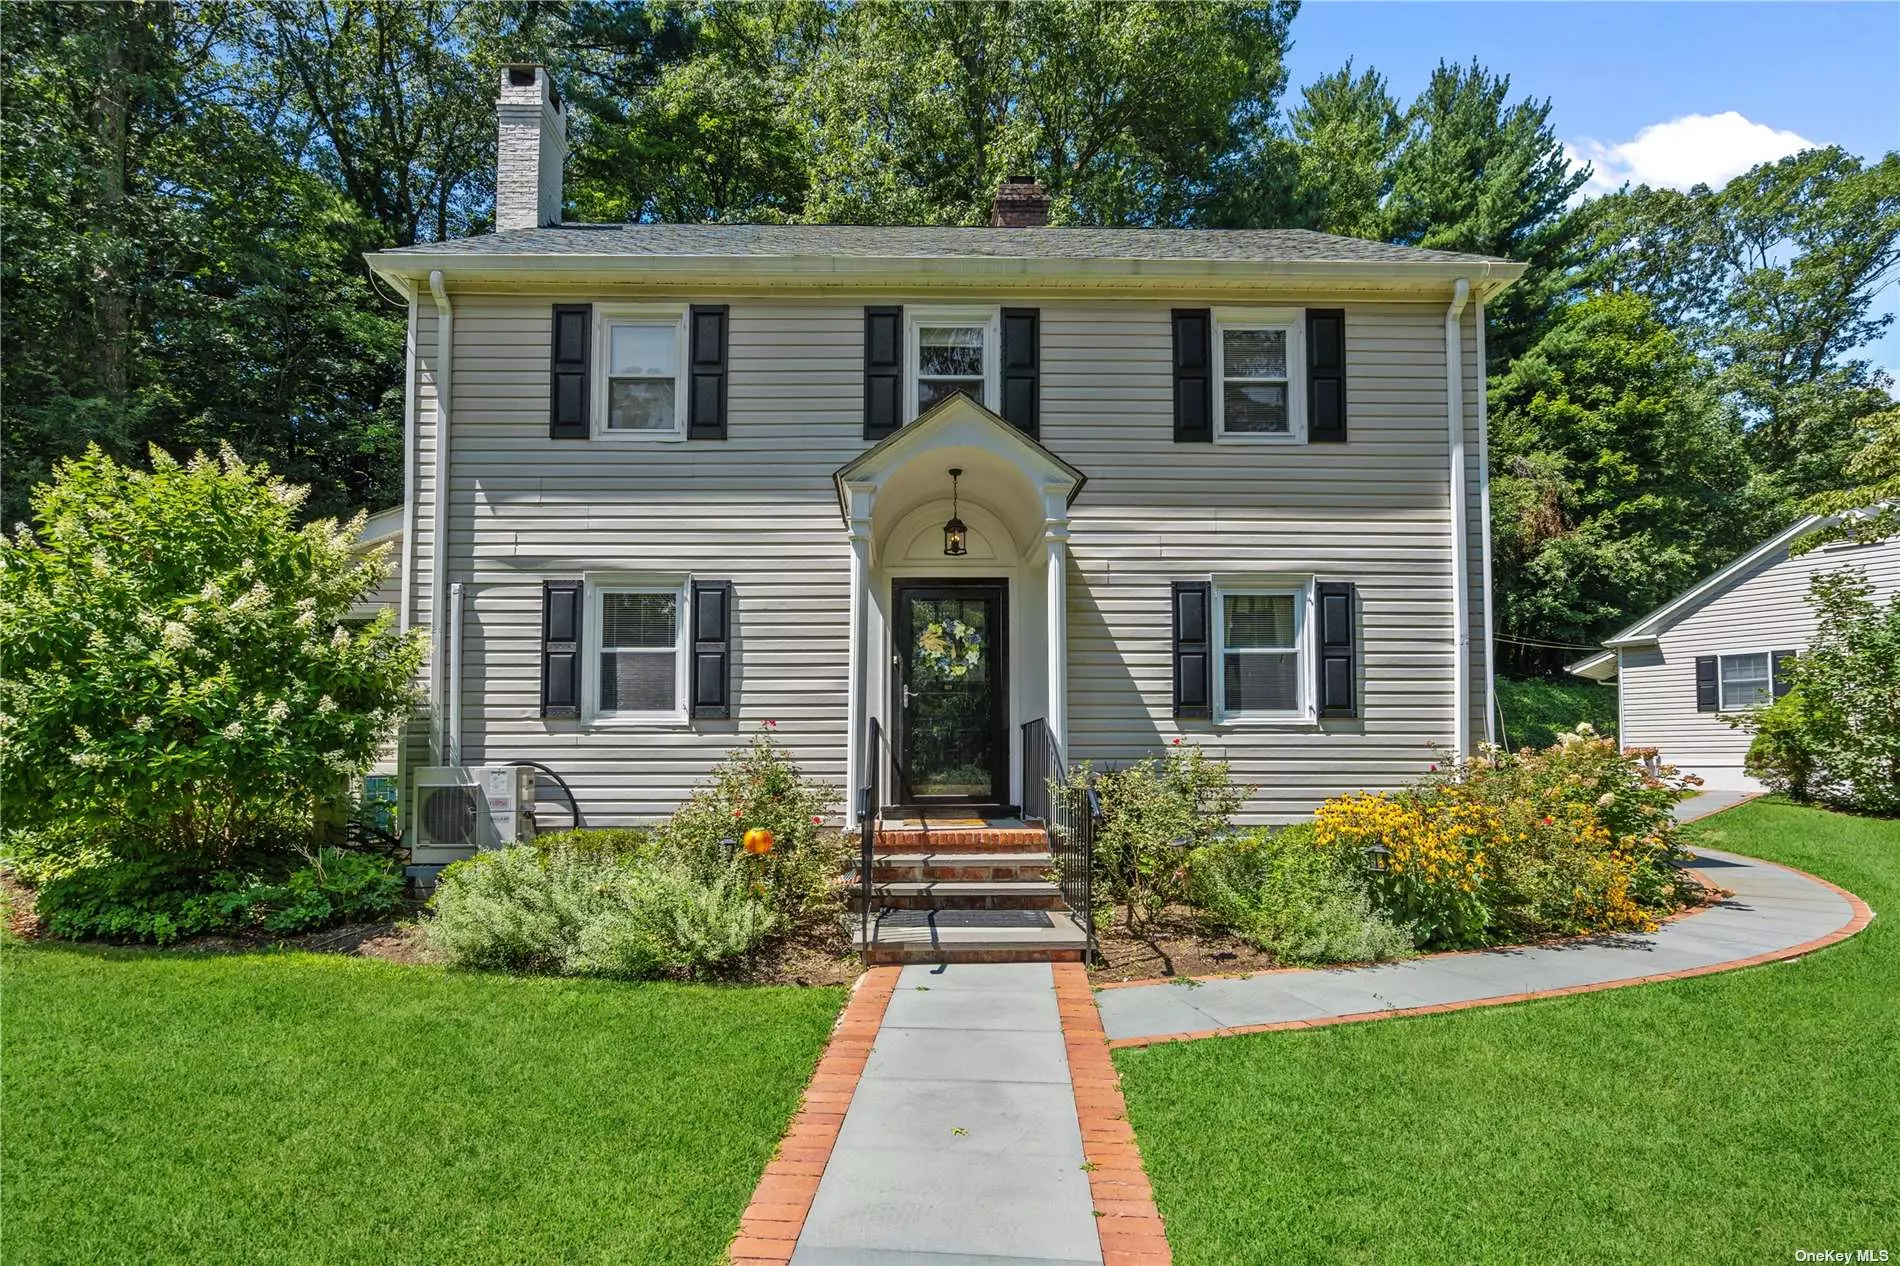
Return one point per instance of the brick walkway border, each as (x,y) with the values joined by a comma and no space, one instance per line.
(1125,1214)
(768,1231)
(1862,917)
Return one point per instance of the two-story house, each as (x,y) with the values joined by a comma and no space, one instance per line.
(938,502)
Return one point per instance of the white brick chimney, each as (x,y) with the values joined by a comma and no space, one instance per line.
(530,150)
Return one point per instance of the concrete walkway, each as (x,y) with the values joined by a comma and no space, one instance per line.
(1773,912)
(1708,802)
(961,1146)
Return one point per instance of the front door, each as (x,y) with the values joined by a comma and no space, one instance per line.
(949,681)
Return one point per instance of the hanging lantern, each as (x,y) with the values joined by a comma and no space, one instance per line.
(955,535)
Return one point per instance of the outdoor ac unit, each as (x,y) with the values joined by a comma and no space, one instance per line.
(456,810)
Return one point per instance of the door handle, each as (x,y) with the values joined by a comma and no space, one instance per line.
(909,696)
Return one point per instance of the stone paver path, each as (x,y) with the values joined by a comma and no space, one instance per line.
(961,1146)
(1773,913)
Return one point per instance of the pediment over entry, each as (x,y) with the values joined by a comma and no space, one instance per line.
(1004,469)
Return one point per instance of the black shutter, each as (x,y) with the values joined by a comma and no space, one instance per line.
(1707,697)
(1193,648)
(1022,368)
(883,371)
(561,648)
(1337,659)
(706,393)
(567,388)
(712,648)
(1193,376)
(1326,375)
(1783,661)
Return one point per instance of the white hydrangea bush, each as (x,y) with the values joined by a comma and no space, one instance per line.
(181,674)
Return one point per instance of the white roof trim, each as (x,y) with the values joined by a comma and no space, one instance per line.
(1647,629)
(1601,666)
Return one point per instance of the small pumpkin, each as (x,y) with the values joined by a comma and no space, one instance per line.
(758,841)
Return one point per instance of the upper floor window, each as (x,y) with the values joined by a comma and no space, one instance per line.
(951,350)
(1259,360)
(1262,652)
(641,392)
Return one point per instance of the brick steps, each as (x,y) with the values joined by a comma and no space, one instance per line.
(967,867)
(965,892)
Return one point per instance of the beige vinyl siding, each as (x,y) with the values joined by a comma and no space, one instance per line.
(1765,610)
(759,509)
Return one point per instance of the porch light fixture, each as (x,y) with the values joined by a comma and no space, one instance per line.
(955,535)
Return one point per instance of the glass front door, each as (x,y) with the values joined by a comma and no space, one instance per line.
(949,684)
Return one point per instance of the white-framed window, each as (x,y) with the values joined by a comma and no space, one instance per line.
(1262,642)
(635,665)
(1260,368)
(640,381)
(950,350)
(1747,680)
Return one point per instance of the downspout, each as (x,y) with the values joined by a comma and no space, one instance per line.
(1460,565)
(439,542)
(1484,513)
(454,746)
(405,616)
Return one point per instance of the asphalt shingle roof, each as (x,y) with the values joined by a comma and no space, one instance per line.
(902,242)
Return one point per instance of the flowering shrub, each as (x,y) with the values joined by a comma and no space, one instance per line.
(1425,858)
(181,680)
(1575,838)
(1153,813)
(761,788)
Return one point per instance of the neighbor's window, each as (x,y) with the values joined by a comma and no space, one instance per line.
(639,652)
(641,391)
(1261,391)
(952,353)
(1747,681)
(1260,638)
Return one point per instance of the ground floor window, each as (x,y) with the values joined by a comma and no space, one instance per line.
(637,651)
(1262,650)
(1748,681)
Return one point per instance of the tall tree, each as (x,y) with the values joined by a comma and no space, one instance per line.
(1348,130)
(169,276)
(1614,478)
(1129,113)
(1773,277)
(1479,173)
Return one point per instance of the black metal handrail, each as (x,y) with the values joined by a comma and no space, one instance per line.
(1069,816)
(867,832)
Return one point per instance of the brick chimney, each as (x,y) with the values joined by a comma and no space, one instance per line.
(1022,203)
(530,149)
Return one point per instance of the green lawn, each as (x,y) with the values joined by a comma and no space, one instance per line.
(1731,1118)
(304,1108)
(1536,712)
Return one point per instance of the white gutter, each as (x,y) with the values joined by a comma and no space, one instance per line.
(1484,513)
(405,615)
(1460,566)
(439,541)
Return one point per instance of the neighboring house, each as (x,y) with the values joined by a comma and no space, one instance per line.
(669,482)
(1721,648)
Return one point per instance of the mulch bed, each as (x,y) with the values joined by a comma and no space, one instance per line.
(1174,945)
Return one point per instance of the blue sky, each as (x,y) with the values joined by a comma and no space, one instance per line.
(1718,85)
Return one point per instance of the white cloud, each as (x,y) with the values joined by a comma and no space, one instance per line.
(1696,149)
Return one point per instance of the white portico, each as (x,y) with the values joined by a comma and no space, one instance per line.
(953,655)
